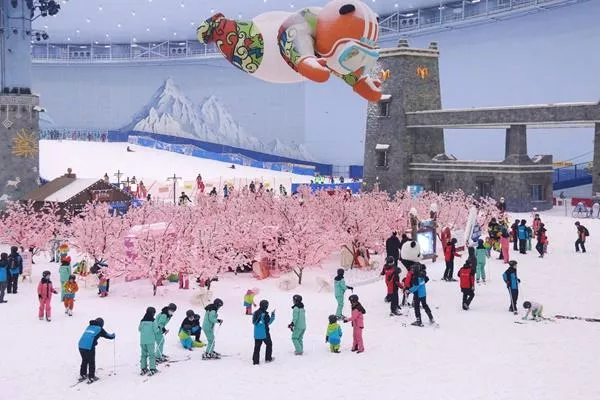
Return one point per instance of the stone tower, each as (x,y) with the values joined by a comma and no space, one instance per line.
(390,146)
(19,118)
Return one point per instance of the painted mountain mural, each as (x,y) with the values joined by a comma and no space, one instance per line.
(171,112)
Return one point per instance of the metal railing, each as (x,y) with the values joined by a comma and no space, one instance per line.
(417,22)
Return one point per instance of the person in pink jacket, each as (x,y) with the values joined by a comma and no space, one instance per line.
(504,246)
(45,291)
(357,320)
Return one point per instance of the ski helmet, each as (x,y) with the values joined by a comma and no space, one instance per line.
(512,263)
(99,322)
(218,303)
(196,316)
(296,298)
(72,277)
(333,319)
(150,310)
(389,260)
(353,298)
(172,307)
(340,272)
(45,274)
(189,313)
(527,305)
(264,304)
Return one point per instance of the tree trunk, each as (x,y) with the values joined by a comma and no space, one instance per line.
(298,273)
(154,289)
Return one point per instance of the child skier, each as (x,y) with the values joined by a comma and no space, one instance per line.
(418,282)
(298,324)
(45,291)
(249,301)
(541,240)
(148,330)
(392,281)
(449,254)
(358,324)
(64,272)
(3,275)
(261,319)
(15,269)
(69,289)
(504,247)
(512,283)
(537,221)
(467,285)
(190,326)
(481,253)
(582,234)
(523,235)
(102,285)
(161,321)
(406,283)
(87,349)
(211,317)
(340,287)
(535,309)
(334,334)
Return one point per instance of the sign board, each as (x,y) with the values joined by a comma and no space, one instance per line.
(414,190)
(100,195)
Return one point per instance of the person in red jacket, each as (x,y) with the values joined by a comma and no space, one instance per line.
(449,254)
(542,239)
(386,272)
(467,284)
(392,282)
(406,284)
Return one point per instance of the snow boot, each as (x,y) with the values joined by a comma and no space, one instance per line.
(70,312)
(417,323)
(66,311)
(271,360)
(144,371)
(152,372)
(92,379)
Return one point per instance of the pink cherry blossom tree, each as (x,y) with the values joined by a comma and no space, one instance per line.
(25,226)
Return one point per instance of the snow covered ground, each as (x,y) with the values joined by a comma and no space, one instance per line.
(479,354)
(93,160)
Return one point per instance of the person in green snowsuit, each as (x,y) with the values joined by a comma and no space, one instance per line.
(161,321)
(340,287)
(208,326)
(298,324)
(64,272)
(482,254)
(148,330)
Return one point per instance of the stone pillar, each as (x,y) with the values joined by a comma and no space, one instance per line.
(516,144)
(15,38)
(596,169)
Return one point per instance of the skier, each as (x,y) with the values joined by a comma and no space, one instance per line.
(514,230)
(358,324)
(64,272)
(184,199)
(467,284)
(45,291)
(392,247)
(340,287)
(102,285)
(69,289)
(582,234)
(504,247)
(15,269)
(472,258)
(334,334)
(449,254)
(3,276)
(249,301)
(211,317)
(298,324)
(418,282)
(481,253)
(161,321)
(406,283)
(535,309)
(537,221)
(261,319)
(386,272)
(541,240)
(512,283)
(523,235)
(148,329)
(87,349)
(191,324)
(392,280)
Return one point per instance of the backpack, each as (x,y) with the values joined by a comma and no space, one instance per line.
(586,232)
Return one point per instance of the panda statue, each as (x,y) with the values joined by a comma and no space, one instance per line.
(410,253)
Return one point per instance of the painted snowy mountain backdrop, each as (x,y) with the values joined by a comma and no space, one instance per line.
(171,112)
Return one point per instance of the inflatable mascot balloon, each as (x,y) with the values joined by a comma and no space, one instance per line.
(282,47)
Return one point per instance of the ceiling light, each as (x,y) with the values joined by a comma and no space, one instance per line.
(212,10)
(118,25)
(239,15)
(475,1)
(77,31)
(107,35)
(134,39)
(96,42)
(88,20)
(442,7)
(148,29)
(174,33)
(107,46)
(192,23)
(164,18)
(291,6)
(83,47)
(133,13)
(182,5)
(99,8)
(396,5)
(408,15)
(182,44)
(68,39)
(45,26)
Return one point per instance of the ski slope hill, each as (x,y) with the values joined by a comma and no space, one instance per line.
(474,355)
(94,159)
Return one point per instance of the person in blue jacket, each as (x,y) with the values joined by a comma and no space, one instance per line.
(418,282)
(87,348)
(512,283)
(523,235)
(3,275)
(15,269)
(261,319)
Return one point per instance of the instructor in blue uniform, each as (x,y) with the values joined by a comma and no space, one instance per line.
(87,348)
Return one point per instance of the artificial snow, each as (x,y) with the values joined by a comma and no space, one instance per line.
(474,355)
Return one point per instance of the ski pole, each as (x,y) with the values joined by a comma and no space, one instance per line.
(512,302)
(114,357)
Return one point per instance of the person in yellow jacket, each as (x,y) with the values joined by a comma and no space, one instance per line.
(249,301)
(69,289)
